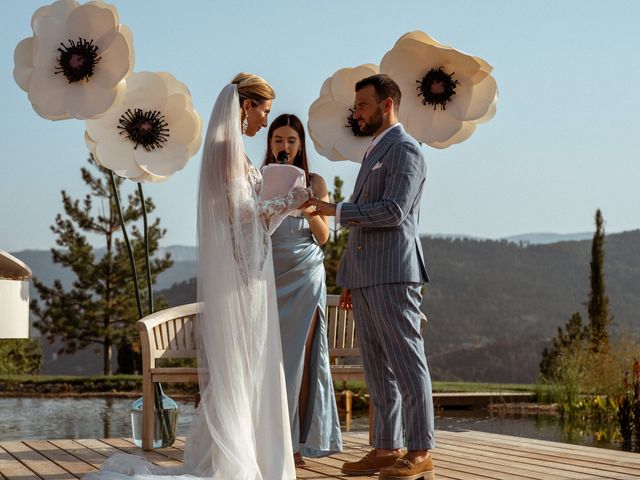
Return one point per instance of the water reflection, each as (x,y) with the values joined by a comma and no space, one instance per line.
(51,418)
(539,426)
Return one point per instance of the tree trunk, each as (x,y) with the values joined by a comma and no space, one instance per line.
(106,368)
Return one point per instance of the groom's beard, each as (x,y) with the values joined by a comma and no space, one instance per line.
(372,126)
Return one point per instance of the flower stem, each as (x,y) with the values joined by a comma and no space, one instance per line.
(146,248)
(166,431)
(116,195)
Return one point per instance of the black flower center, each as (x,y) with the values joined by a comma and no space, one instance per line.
(352,123)
(437,87)
(77,60)
(148,129)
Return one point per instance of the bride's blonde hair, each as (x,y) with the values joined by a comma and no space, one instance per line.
(253,87)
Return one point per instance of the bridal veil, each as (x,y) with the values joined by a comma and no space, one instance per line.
(241,430)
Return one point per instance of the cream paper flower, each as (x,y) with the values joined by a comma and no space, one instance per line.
(74,64)
(445,93)
(151,134)
(334,133)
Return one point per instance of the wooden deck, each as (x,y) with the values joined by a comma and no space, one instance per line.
(460,455)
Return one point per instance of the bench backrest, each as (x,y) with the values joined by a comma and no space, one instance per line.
(341,331)
(170,333)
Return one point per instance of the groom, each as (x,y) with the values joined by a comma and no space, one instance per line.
(382,272)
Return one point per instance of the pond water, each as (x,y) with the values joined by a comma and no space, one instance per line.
(50,418)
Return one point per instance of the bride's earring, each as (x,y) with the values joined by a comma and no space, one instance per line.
(245,124)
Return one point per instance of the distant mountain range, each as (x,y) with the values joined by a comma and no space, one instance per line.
(525,238)
(492,304)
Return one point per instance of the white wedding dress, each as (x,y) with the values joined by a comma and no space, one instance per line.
(241,427)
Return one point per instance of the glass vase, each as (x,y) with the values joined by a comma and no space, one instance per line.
(165,419)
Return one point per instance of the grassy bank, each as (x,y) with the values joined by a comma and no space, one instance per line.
(113,384)
(457,387)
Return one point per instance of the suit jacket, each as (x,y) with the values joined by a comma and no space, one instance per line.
(382,216)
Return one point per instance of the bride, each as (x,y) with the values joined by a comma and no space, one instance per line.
(241,427)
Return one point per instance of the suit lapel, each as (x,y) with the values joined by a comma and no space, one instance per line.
(376,154)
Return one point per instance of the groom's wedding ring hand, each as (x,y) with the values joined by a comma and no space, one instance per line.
(345,302)
(321,208)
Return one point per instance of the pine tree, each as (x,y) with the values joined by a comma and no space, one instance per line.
(598,304)
(100,307)
(570,338)
(337,243)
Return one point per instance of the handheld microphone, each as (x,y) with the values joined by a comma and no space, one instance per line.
(282,157)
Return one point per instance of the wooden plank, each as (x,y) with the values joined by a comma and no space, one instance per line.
(604,460)
(12,469)
(81,452)
(64,460)
(556,446)
(38,464)
(153,456)
(170,452)
(473,467)
(595,466)
(517,465)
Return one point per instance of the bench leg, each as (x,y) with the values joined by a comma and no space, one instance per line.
(148,410)
(348,407)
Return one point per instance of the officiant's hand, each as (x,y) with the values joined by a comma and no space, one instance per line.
(321,208)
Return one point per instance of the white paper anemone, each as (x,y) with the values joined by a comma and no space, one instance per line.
(445,92)
(333,132)
(74,64)
(151,134)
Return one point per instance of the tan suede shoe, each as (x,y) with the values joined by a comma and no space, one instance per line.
(370,463)
(405,469)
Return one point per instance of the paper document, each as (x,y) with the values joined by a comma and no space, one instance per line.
(278,180)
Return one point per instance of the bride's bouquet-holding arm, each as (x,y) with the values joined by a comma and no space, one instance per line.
(283,192)
(273,207)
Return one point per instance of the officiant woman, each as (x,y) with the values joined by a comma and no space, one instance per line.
(301,290)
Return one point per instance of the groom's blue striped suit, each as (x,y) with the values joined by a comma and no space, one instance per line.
(384,267)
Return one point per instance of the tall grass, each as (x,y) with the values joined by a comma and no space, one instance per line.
(590,389)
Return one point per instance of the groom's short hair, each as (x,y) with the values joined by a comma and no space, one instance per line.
(384,86)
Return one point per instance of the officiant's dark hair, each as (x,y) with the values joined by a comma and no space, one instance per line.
(384,86)
(289,120)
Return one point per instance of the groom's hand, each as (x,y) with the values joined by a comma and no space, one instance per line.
(345,300)
(321,208)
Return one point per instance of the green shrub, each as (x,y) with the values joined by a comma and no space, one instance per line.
(18,357)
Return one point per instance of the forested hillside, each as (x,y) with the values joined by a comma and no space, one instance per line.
(492,305)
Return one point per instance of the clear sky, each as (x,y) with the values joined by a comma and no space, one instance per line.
(564,142)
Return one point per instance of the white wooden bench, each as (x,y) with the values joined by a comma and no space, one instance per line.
(169,333)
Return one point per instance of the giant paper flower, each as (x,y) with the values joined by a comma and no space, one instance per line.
(151,134)
(445,93)
(334,133)
(74,64)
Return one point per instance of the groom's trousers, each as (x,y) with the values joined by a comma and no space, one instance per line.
(388,327)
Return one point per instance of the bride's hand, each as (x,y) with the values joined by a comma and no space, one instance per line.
(298,196)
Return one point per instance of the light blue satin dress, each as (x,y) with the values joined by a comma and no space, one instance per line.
(301,289)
